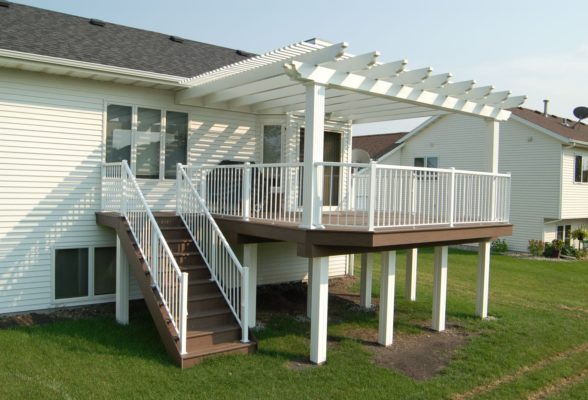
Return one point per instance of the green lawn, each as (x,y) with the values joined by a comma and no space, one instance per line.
(537,344)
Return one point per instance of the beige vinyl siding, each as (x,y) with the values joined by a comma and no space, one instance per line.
(51,149)
(574,194)
(278,262)
(533,159)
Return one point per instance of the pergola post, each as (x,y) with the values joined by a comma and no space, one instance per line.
(319,301)
(122,285)
(365,284)
(387,286)
(250,261)
(494,148)
(439,288)
(483,279)
(313,153)
(411,273)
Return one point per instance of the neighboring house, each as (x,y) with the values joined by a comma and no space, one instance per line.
(372,147)
(546,155)
(206,171)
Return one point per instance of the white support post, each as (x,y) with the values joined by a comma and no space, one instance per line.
(123,195)
(452,198)
(122,285)
(184,313)
(320,302)
(313,153)
(178,187)
(309,290)
(250,261)
(351,264)
(245,305)
(494,133)
(387,286)
(439,288)
(372,195)
(365,288)
(483,279)
(411,274)
(246,191)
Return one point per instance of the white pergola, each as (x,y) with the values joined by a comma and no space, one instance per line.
(320,80)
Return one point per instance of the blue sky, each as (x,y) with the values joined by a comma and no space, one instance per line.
(537,48)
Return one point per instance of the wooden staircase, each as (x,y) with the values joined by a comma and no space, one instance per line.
(212,328)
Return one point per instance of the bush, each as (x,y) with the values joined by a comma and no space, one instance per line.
(499,246)
(554,248)
(580,234)
(569,251)
(536,247)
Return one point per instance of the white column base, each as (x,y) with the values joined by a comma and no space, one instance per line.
(320,302)
(483,279)
(439,288)
(250,261)
(365,289)
(387,286)
(122,285)
(411,273)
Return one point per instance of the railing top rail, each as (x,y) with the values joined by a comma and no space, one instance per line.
(112,164)
(239,166)
(212,221)
(151,217)
(408,168)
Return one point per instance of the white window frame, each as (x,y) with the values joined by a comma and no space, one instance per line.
(134,127)
(426,159)
(580,182)
(268,122)
(91,297)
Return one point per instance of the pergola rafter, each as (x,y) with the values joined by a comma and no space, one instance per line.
(358,88)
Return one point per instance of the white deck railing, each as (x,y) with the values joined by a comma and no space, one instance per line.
(121,193)
(231,277)
(357,195)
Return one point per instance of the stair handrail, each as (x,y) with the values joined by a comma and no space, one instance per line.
(167,278)
(214,248)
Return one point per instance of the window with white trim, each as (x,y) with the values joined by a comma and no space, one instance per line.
(272,144)
(564,233)
(428,162)
(581,169)
(153,141)
(84,273)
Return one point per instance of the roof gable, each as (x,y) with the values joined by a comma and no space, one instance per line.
(49,33)
(377,145)
(553,123)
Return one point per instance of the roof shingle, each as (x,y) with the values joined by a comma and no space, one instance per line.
(38,31)
(553,123)
(377,145)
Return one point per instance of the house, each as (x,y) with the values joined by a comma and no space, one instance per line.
(372,147)
(546,155)
(138,164)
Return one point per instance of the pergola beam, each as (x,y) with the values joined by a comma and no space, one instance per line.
(387,70)
(354,64)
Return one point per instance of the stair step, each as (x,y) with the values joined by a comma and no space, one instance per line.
(209,319)
(205,296)
(206,301)
(210,313)
(234,347)
(217,329)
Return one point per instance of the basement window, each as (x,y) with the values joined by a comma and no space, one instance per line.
(85,273)
(152,141)
(581,169)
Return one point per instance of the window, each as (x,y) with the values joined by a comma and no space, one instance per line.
(564,232)
(154,146)
(581,169)
(272,144)
(78,275)
(428,162)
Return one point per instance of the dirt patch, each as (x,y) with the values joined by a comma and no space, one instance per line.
(420,356)
(300,365)
(61,314)
(558,386)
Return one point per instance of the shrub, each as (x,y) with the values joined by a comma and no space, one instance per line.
(554,248)
(569,251)
(536,247)
(580,234)
(499,246)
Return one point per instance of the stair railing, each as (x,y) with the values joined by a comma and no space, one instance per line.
(231,277)
(166,277)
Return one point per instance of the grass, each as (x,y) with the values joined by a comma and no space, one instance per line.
(535,346)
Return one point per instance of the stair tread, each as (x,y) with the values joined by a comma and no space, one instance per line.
(218,348)
(193,267)
(200,281)
(209,313)
(192,333)
(179,241)
(186,253)
(204,296)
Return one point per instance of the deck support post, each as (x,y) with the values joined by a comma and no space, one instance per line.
(309,290)
(387,286)
(122,285)
(320,301)
(483,279)
(365,285)
(313,153)
(439,288)
(250,261)
(411,274)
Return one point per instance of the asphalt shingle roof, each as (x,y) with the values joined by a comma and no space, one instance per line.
(38,31)
(554,123)
(377,145)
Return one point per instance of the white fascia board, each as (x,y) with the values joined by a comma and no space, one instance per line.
(394,150)
(419,128)
(579,143)
(66,65)
(547,132)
